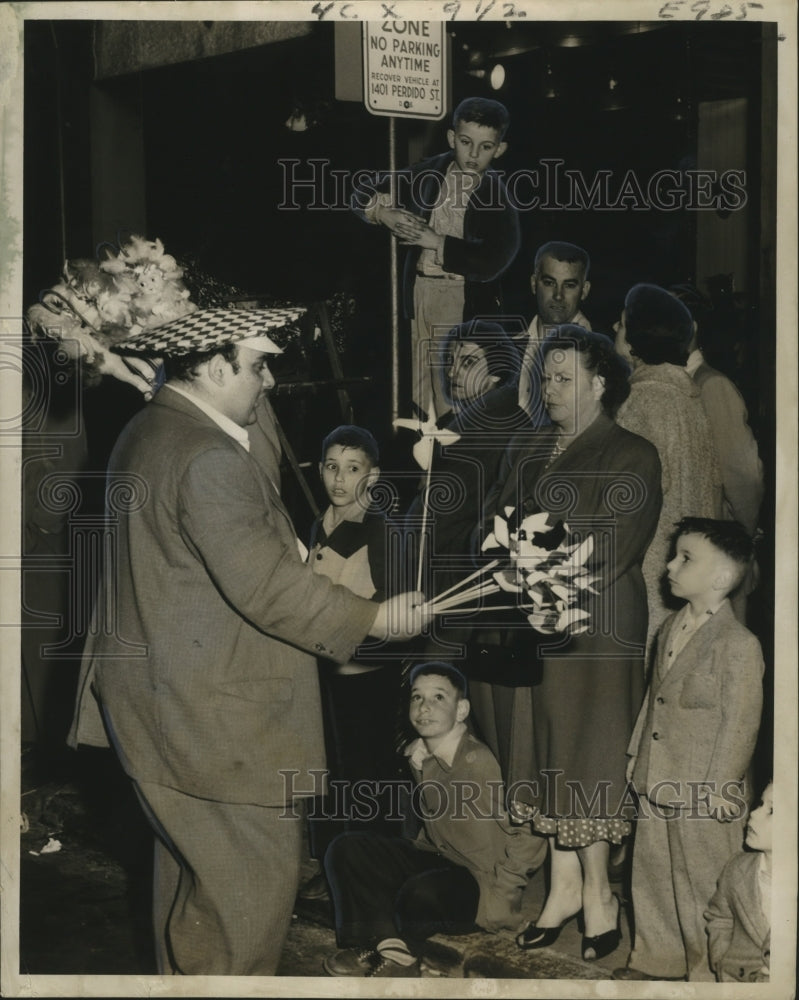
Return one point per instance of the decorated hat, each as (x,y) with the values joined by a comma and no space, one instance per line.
(209,329)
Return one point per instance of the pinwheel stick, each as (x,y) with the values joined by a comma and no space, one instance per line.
(473,593)
(431,421)
(488,568)
(425,496)
(479,607)
(482,589)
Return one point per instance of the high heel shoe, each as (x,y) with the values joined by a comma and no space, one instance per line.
(534,936)
(601,945)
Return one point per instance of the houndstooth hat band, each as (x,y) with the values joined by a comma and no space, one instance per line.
(207,329)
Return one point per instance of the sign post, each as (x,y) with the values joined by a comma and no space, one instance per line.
(404,75)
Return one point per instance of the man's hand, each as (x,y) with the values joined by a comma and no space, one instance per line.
(136,371)
(401,617)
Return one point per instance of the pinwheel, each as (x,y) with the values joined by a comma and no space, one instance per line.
(423,454)
(546,565)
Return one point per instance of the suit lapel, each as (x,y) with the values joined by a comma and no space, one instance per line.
(697,649)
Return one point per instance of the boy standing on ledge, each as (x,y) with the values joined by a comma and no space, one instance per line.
(455,214)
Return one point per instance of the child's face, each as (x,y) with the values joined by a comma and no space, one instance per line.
(758,828)
(475,146)
(468,374)
(698,569)
(436,706)
(346,473)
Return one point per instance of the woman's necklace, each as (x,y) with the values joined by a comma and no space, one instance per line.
(561,444)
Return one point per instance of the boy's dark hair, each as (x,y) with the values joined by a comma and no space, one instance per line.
(567,253)
(599,357)
(439,668)
(482,111)
(659,327)
(184,366)
(350,436)
(729,537)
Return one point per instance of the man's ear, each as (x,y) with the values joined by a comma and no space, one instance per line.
(585,291)
(463,709)
(451,138)
(217,369)
(533,282)
(321,469)
(500,150)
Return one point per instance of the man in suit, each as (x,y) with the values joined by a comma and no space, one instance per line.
(203,674)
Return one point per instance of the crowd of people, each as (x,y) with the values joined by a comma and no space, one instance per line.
(442,759)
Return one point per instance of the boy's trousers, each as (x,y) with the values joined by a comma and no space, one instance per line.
(677,861)
(437,307)
(384,887)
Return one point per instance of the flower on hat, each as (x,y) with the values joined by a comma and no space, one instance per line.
(98,303)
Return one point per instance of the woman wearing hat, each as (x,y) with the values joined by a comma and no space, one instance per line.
(654,335)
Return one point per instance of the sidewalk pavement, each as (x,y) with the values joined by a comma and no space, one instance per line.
(85,906)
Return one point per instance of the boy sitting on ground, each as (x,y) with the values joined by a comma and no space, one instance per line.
(468,865)
(739,915)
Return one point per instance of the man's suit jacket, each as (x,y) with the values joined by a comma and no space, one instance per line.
(208,625)
(739,934)
(700,717)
